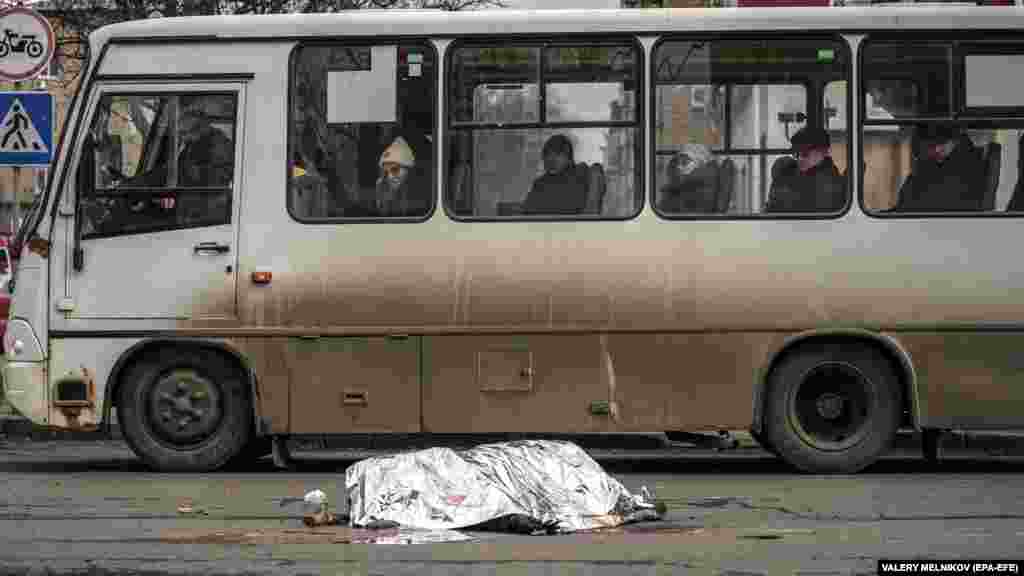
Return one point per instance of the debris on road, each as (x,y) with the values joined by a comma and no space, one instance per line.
(712,501)
(526,486)
(316,512)
(187,507)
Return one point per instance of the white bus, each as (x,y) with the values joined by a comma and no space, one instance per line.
(267,227)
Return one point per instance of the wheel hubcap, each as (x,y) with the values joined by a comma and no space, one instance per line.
(830,409)
(830,406)
(184,406)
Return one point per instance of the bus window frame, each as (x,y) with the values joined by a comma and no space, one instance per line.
(106,92)
(544,41)
(961,117)
(841,42)
(427,42)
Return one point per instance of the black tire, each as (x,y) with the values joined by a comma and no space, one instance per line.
(832,408)
(185,409)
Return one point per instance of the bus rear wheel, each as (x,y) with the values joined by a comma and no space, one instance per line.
(185,409)
(832,408)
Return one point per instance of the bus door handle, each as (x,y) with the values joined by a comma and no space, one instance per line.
(210,247)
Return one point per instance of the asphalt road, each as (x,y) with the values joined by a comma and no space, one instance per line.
(90,508)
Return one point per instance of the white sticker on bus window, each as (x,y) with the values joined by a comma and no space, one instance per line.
(994,80)
(415,69)
(365,95)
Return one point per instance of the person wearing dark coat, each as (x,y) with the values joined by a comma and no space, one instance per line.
(205,160)
(562,189)
(816,185)
(205,157)
(948,176)
(692,186)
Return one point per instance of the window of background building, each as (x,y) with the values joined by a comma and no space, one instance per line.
(509,103)
(725,112)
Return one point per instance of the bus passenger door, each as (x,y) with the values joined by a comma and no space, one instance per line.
(156,188)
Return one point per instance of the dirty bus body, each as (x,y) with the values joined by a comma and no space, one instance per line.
(268,282)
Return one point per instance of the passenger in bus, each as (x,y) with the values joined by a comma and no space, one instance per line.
(692,182)
(948,174)
(562,189)
(816,185)
(400,190)
(207,155)
(310,197)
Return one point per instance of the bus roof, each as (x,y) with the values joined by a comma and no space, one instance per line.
(511,22)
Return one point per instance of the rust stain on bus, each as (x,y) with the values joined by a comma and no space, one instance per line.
(39,246)
(644,285)
(80,414)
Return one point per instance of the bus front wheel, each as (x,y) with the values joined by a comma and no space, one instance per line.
(832,407)
(184,408)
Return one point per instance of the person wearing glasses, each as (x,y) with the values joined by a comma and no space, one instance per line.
(813,184)
(398,192)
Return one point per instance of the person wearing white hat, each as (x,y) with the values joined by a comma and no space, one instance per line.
(394,194)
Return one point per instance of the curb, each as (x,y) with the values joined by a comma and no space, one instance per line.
(993,443)
(400,442)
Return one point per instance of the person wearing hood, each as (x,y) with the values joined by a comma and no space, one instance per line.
(692,186)
(948,176)
(816,185)
(399,191)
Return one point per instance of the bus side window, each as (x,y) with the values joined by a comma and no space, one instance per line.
(727,112)
(139,184)
(567,147)
(361,136)
(929,150)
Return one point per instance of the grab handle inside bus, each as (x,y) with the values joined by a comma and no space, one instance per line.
(84,181)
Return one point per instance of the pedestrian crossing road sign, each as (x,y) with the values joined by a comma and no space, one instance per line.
(26,128)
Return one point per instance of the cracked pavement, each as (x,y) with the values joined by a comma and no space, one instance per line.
(90,508)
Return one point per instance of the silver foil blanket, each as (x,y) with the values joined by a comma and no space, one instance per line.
(539,483)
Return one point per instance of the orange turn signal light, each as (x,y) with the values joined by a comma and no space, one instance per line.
(261,277)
